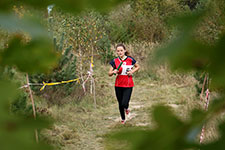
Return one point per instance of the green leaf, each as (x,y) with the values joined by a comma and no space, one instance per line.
(217,63)
(74,6)
(187,53)
(27,24)
(184,52)
(35,56)
(136,138)
(5,5)
(187,22)
(104,5)
(20,132)
(8,92)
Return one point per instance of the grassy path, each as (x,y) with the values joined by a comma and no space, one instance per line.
(81,127)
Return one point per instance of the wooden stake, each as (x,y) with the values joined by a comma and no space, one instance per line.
(93,81)
(207,99)
(33,106)
(203,86)
(81,68)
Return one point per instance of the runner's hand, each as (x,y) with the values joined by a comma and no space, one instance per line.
(129,73)
(115,71)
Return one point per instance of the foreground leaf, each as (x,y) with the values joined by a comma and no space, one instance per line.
(36,56)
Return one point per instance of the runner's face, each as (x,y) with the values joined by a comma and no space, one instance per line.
(120,51)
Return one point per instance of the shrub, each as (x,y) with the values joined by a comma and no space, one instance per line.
(150,18)
(104,45)
(19,105)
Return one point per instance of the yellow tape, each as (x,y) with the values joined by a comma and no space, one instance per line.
(56,83)
(92,61)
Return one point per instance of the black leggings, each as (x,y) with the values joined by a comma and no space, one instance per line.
(123,96)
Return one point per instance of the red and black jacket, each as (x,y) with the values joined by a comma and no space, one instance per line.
(122,79)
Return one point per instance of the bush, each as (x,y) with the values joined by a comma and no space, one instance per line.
(104,45)
(19,106)
(121,32)
(150,18)
(210,29)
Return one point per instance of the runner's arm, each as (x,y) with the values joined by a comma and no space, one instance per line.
(112,71)
(137,67)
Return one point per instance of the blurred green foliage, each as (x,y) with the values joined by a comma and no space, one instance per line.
(187,52)
(198,45)
(26,56)
(73,6)
(19,105)
(14,128)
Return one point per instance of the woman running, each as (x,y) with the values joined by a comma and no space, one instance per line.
(123,66)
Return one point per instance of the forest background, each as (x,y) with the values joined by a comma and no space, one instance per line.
(54,42)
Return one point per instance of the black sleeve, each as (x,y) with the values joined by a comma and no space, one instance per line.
(112,63)
(133,61)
